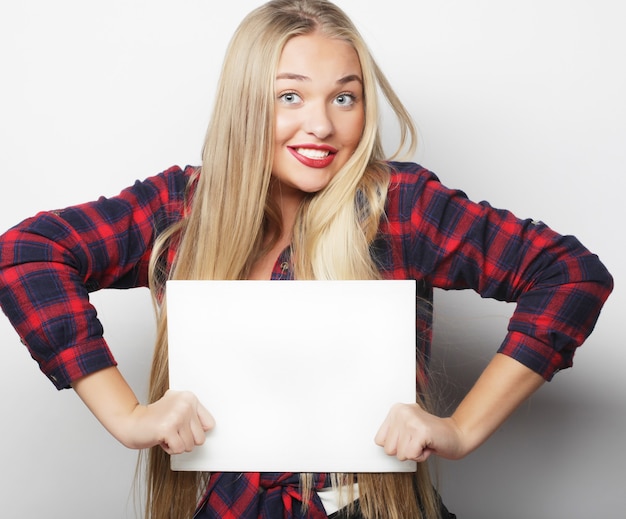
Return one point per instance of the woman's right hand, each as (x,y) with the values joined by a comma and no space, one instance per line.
(177,422)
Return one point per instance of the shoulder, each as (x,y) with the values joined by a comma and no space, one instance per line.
(152,202)
(409,180)
(409,173)
(167,192)
(412,182)
(172,183)
(412,186)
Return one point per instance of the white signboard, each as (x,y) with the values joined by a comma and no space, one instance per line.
(299,375)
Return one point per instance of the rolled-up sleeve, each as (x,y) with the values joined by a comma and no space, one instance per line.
(558,286)
(51,262)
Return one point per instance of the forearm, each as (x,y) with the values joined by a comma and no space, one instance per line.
(177,422)
(410,432)
(500,389)
(111,400)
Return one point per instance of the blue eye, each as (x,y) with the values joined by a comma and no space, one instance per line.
(290,98)
(345,99)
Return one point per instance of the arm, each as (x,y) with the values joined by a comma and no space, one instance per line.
(450,242)
(48,266)
(409,432)
(50,263)
(558,285)
(177,422)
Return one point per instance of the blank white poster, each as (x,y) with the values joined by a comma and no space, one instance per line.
(299,375)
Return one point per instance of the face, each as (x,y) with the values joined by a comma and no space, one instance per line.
(319,112)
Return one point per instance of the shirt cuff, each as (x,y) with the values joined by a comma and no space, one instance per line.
(535,355)
(78,361)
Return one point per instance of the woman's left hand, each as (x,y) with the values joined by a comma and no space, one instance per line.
(410,433)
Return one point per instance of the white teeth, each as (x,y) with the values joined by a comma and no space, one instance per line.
(313,154)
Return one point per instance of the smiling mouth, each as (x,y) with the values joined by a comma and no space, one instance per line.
(312,153)
(314,157)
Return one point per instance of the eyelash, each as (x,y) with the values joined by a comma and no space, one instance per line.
(349,95)
(282,96)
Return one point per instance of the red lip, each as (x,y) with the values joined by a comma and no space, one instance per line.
(312,162)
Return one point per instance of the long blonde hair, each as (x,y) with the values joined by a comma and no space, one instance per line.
(232,222)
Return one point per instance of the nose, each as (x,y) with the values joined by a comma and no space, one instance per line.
(318,121)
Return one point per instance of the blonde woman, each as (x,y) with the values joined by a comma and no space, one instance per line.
(294,185)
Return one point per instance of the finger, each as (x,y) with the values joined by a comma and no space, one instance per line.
(187,437)
(383,431)
(381,435)
(206,419)
(391,442)
(423,456)
(423,452)
(178,439)
(165,447)
(173,444)
(198,432)
(405,449)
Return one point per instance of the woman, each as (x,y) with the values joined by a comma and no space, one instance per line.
(294,185)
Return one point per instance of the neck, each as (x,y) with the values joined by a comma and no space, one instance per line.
(288,202)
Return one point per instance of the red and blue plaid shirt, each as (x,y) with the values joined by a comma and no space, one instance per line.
(49,264)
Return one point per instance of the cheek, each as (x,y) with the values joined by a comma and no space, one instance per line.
(354,130)
(284,125)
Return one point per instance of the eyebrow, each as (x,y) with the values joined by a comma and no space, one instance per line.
(299,77)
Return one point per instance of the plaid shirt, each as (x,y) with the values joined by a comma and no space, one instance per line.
(49,264)
(254,495)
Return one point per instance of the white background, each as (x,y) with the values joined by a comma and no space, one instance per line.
(518,103)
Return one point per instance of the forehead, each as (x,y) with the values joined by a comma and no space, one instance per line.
(318,56)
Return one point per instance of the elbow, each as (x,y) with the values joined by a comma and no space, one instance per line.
(602,278)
